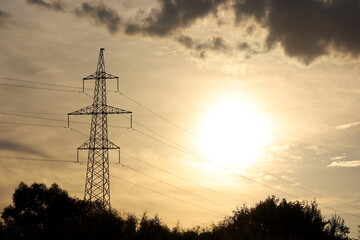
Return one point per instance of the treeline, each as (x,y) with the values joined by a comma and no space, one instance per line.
(40,213)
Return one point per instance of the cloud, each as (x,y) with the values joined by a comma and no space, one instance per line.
(101,14)
(247,49)
(306,29)
(5,18)
(18,147)
(214,43)
(57,5)
(173,15)
(347,126)
(354,163)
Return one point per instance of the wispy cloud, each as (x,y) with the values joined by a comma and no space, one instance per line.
(18,147)
(347,126)
(214,43)
(101,14)
(354,163)
(57,5)
(5,18)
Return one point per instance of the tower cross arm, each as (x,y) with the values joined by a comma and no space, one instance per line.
(102,75)
(115,110)
(107,143)
(89,110)
(92,110)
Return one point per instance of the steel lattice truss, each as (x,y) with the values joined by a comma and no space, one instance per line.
(97,184)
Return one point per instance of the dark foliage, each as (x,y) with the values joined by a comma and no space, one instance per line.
(275,219)
(43,213)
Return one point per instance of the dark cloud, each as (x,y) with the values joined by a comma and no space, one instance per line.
(57,5)
(186,41)
(306,29)
(5,18)
(18,147)
(215,43)
(101,14)
(173,15)
(248,49)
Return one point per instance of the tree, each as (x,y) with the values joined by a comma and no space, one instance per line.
(43,213)
(280,219)
(40,213)
(152,229)
(336,228)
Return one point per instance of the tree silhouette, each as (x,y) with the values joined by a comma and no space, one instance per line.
(152,229)
(275,219)
(39,213)
(336,228)
(43,213)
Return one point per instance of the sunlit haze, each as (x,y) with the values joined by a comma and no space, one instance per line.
(233,132)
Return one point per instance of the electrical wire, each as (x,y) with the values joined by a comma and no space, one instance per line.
(186,180)
(51,89)
(59,85)
(180,149)
(90,49)
(149,80)
(168,196)
(52,119)
(40,83)
(37,159)
(29,124)
(181,189)
(158,115)
(47,41)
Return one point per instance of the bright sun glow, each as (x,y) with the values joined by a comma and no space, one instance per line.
(233,132)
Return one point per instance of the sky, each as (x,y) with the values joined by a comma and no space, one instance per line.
(232,101)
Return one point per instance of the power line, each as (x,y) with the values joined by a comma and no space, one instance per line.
(185,179)
(44,113)
(219,166)
(37,159)
(47,41)
(53,160)
(90,49)
(184,151)
(138,185)
(190,152)
(304,188)
(52,119)
(51,89)
(158,115)
(40,83)
(168,196)
(153,82)
(34,125)
(181,189)
(174,175)
(181,148)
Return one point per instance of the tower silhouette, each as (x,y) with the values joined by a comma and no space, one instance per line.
(97,184)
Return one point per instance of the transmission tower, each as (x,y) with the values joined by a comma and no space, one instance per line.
(97,184)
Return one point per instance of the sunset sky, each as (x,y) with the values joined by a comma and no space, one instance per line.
(232,101)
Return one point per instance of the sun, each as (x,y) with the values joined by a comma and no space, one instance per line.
(233,132)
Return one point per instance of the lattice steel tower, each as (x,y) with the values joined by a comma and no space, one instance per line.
(97,184)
